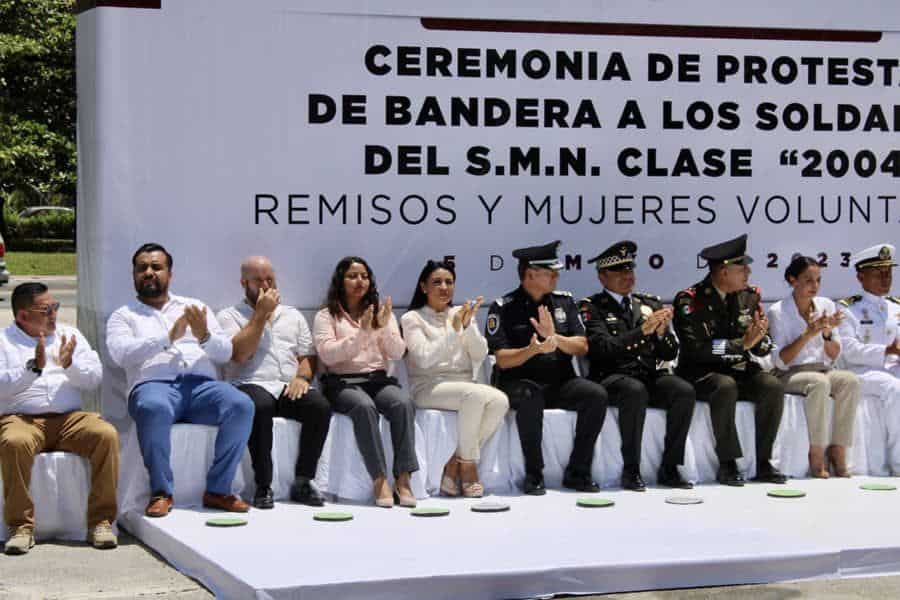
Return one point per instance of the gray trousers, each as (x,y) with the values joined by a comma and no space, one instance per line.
(362,402)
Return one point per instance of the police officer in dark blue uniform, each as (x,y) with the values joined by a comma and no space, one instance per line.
(724,334)
(534,331)
(628,340)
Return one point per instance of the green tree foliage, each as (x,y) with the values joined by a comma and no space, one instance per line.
(37,99)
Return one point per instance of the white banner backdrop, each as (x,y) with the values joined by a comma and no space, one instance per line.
(222,129)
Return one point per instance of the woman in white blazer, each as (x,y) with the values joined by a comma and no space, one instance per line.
(803,327)
(445,351)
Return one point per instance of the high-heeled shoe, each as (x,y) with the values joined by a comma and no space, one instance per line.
(449,478)
(838,458)
(818,468)
(471,487)
(403,492)
(382,501)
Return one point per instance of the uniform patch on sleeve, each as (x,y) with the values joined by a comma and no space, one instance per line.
(560,314)
(493,323)
(687,308)
(718,347)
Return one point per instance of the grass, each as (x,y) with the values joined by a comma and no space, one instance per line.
(40,263)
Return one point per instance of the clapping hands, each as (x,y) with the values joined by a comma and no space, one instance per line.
(463,317)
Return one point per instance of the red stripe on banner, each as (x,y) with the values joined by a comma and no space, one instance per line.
(640,30)
(85,5)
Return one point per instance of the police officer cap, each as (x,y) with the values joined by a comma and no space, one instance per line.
(540,256)
(618,257)
(732,252)
(881,255)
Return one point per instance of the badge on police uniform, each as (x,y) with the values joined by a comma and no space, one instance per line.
(493,323)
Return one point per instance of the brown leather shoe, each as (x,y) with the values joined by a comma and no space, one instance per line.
(230,503)
(159,506)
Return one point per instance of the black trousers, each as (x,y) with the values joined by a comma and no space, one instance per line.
(722,393)
(632,396)
(311,409)
(529,399)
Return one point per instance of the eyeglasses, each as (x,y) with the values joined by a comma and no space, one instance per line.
(46,310)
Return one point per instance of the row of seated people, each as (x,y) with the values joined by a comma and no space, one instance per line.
(169,345)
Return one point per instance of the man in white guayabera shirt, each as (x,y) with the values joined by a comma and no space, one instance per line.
(273,362)
(43,368)
(167,345)
(871,349)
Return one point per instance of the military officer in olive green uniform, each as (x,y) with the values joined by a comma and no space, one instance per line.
(628,340)
(724,339)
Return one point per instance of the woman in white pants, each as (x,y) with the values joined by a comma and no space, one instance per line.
(445,350)
(803,327)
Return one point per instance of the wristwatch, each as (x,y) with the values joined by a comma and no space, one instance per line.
(31,365)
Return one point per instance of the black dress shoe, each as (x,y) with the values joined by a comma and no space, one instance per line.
(766,473)
(264,498)
(729,474)
(534,485)
(633,482)
(669,476)
(580,483)
(305,491)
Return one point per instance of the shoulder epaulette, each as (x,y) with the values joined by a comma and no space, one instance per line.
(691,291)
(894,299)
(586,299)
(850,300)
(561,293)
(643,296)
(499,301)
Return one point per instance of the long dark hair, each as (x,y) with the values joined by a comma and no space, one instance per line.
(798,265)
(419,298)
(336,299)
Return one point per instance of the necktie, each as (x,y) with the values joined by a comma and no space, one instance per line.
(626,310)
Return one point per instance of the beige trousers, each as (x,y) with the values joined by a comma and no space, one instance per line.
(82,433)
(481,410)
(817,387)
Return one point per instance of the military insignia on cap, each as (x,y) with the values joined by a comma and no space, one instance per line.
(560,314)
(493,324)
(619,256)
(884,253)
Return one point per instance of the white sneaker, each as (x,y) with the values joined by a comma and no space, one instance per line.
(102,536)
(21,540)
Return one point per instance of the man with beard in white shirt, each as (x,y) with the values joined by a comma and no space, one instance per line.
(168,346)
(871,349)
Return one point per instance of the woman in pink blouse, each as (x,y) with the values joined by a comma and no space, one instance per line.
(355,337)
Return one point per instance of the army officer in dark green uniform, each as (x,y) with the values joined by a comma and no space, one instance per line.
(724,337)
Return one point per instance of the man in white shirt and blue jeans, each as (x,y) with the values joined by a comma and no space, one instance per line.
(168,346)
(273,362)
(43,369)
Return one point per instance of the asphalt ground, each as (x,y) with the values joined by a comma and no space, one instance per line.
(75,571)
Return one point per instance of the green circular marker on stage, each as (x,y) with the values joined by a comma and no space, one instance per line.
(684,500)
(226,522)
(332,516)
(878,487)
(490,507)
(594,502)
(786,493)
(430,511)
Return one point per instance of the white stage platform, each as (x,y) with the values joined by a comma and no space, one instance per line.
(544,545)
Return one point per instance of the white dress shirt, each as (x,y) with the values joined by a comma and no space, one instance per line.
(56,390)
(285,337)
(137,336)
(437,352)
(786,324)
(870,325)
